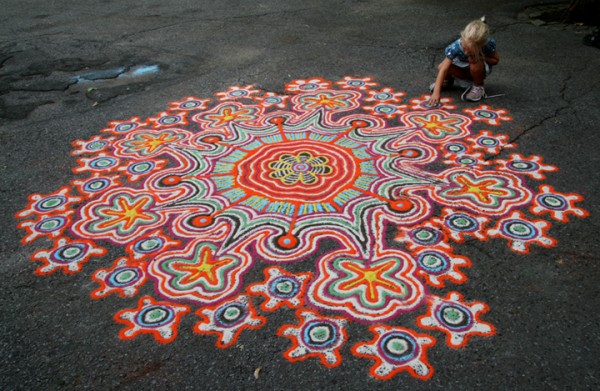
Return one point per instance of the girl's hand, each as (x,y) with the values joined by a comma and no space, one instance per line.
(434,99)
(493,59)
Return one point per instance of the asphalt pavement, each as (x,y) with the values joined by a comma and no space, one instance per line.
(69,68)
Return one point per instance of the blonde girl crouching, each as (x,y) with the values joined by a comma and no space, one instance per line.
(470,58)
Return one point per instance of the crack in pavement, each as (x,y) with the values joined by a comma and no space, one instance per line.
(5,129)
(48,89)
(4,60)
(557,112)
(102,85)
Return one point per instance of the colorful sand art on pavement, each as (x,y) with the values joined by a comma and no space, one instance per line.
(202,194)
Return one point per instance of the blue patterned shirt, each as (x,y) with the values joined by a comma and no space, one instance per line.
(455,52)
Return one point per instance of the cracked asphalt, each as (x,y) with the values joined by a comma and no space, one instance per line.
(67,68)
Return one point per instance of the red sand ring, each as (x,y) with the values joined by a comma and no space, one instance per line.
(358,124)
(277,120)
(402,205)
(288,241)
(171,180)
(201,221)
(211,140)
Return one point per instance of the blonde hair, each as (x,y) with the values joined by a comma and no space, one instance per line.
(476,32)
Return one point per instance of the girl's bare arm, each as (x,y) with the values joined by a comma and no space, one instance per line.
(437,90)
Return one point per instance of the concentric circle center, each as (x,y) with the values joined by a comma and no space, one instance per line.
(297,171)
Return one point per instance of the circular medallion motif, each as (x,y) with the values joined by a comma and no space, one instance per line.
(332,189)
(299,172)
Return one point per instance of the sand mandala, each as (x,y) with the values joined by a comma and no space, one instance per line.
(228,209)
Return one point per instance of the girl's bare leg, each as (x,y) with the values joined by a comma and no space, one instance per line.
(475,72)
(458,72)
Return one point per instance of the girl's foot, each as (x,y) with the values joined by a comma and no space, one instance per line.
(475,93)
